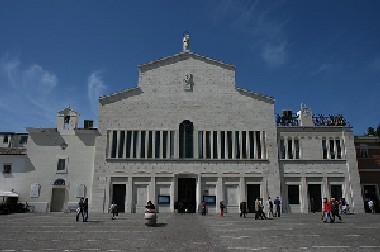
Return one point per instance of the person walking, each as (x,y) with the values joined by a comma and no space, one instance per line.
(221,205)
(243,209)
(204,210)
(81,207)
(114,210)
(257,209)
(85,210)
(270,208)
(328,211)
(371,206)
(277,203)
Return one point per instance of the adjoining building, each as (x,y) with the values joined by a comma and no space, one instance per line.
(368,156)
(186,133)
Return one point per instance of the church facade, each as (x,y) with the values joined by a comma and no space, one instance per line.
(186,134)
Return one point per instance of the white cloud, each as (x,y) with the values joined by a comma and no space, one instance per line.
(27,94)
(274,55)
(258,20)
(95,88)
(322,68)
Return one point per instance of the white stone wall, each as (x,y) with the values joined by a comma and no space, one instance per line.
(161,103)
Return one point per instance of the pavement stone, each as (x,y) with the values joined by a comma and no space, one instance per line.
(188,232)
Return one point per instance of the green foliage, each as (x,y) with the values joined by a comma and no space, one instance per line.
(371,131)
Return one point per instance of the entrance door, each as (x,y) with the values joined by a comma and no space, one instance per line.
(315,197)
(253,192)
(118,196)
(57,199)
(187,193)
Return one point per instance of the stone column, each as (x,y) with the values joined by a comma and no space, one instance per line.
(153,144)
(247,145)
(195,146)
(204,145)
(109,143)
(129,207)
(176,149)
(241,144)
(124,145)
(286,139)
(219,192)
(199,192)
(212,144)
(146,144)
(152,189)
(256,144)
(304,200)
(243,196)
(325,191)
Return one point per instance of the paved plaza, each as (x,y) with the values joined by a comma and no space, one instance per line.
(290,232)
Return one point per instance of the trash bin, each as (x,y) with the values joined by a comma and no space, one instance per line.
(150,215)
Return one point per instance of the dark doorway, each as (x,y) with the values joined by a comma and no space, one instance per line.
(187,194)
(370,194)
(336,192)
(118,196)
(315,197)
(253,192)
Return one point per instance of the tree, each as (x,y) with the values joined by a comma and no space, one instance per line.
(377,133)
(371,131)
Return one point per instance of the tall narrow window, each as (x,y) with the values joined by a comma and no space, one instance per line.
(186,129)
(244,144)
(128,144)
(237,145)
(364,151)
(135,143)
(150,144)
(61,164)
(114,144)
(208,144)
(257,140)
(172,144)
(157,145)
(282,149)
(164,143)
(142,150)
(338,149)
(215,145)
(290,149)
(324,149)
(332,150)
(200,144)
(229,144)
(121,144)
(223,144)
(336,191)
(251,145)
(297,148)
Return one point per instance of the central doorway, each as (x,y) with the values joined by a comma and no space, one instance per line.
(118,196)
(187,192)
(253,192)
(315,197)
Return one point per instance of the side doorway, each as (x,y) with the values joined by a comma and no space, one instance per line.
(253,192)
(315,197)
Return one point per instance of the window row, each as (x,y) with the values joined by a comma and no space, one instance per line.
(289,148)
(332,148)
(186,143)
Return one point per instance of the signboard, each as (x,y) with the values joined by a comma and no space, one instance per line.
(35,190)
(81,191)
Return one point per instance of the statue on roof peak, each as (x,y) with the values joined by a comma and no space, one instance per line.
(186,41)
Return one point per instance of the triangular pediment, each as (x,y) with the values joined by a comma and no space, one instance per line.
(183,56)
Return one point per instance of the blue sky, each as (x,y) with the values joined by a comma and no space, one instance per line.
(58,53)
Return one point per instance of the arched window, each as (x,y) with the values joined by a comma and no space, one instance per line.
(186,139)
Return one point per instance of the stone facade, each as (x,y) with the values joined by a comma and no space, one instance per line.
(184,134)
